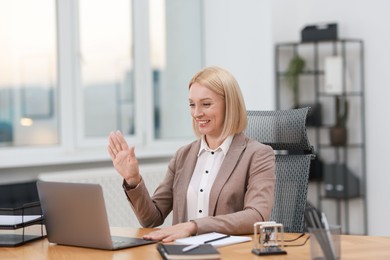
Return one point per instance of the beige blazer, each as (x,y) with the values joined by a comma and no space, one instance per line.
(242,194)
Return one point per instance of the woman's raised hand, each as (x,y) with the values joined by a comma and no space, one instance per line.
(123,158)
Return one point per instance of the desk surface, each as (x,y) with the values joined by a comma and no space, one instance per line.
(352,247)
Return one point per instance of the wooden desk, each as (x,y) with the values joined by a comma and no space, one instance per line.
(352,247)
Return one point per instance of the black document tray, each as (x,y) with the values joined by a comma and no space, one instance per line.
(21,225)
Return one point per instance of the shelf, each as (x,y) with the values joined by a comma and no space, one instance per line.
(342,198)
(345,40)
(308,72)
(334,161)
(328,146)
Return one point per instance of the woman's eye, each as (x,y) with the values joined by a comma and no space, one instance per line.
(192,105)
(206,104)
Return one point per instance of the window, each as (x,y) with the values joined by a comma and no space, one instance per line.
(106,67)
(28,69)
(78,69)
(176,54)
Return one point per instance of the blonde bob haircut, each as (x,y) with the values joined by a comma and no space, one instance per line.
(224,84)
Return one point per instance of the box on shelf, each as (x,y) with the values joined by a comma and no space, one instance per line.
(340,182)
(319,32)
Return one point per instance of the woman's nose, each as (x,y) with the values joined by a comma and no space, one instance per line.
(198,112)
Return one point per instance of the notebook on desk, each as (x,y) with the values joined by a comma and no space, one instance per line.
(214,238)
(75,215)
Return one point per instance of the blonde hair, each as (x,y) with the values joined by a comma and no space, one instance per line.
(223,83)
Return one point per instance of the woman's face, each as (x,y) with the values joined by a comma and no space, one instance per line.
(207,109)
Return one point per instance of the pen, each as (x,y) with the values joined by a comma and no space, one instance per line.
(216,239)
(328,234)
(189,248)
(325,221)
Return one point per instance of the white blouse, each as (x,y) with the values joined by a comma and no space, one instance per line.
(206,170)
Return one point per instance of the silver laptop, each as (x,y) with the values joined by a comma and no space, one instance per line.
(75,215)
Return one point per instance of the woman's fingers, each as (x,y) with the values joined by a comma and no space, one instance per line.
(123,157)
(131,152)
(110,152)
(155,235)
(114,143)
(169,234)
(121,141)
(111,140)
(117,143)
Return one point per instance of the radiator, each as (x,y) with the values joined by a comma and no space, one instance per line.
(120,213)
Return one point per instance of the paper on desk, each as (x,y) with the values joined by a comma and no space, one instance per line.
(200,239)
(17,219)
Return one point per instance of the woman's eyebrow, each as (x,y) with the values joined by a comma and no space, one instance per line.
(203,99)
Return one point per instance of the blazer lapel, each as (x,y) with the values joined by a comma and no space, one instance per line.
(184,181)
(229,163)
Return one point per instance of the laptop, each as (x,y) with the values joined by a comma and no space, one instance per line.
(75,215)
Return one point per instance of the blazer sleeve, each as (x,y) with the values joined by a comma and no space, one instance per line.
(147,213)
(151,211)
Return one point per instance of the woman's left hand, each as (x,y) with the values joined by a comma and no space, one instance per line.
(169,234)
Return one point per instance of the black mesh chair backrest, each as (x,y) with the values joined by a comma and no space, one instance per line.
(281,129)
(285,132)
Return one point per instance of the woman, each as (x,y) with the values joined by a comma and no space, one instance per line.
(222,182)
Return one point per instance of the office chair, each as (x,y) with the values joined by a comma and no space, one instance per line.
(285,132)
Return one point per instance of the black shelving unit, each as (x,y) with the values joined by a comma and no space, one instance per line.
(340,171)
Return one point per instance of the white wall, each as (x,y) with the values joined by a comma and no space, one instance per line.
(366,20)
(237,38)
(240,36)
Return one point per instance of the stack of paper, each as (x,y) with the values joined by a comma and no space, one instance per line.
(214,238)
(15,220)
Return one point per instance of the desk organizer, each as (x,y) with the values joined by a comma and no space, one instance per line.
(21,225)
(270,240)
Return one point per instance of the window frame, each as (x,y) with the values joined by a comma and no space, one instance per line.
(73,147)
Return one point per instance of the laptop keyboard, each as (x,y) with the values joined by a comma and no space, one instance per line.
(119,242)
